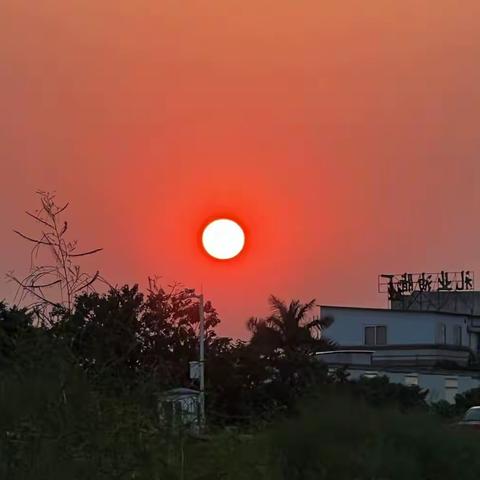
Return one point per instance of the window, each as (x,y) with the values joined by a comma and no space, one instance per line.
(441,334)
(381,332)
(457,334)
(369,335)
(376,335)
(411,379)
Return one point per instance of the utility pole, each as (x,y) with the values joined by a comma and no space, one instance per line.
(202,361)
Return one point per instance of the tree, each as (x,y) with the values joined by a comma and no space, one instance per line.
(288,329)
(240,384)
(131,337)
(466,400)
(169,328)
(52,284)
(379,391)
(284,344)
(14,324)
(102,331)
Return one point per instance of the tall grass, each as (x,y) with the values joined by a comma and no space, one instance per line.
(338,437)
(343,438)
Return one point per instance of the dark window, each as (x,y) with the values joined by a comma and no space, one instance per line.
(381,337)
(457,334)
(376,335)
(369,335)
(442,334)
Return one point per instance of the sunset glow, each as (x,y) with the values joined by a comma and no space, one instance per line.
(223,239)
(341,136)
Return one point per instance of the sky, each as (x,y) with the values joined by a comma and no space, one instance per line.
(343,135)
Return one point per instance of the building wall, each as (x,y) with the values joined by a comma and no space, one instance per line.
(403,328)
(421,356)
(441,386)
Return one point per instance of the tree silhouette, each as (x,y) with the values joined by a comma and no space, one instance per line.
(170,331)
(288,330)
(126,335)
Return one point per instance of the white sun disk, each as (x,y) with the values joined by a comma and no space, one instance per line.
(223,239)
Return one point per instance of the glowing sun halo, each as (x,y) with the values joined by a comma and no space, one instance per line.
(223,239)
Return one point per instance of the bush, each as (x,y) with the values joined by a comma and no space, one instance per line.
(55,425)
(464,401)
(340,437)
(379,391)
(444,409)
(343,438)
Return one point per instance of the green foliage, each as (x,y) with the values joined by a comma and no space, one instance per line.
(102,334)
(341,437)
(126,339)
(468,399)
(247,387)
(169,329)
(444,409)
(265,377)
(379,392)
(55,425)
(463,402)
(340,375)
(228,456)
(15,324)
(288,330)
(337,436)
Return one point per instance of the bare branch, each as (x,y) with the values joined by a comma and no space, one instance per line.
(91,252)
(62,209)
(31,239)
(86,285)
(35,294)
(38,219)
(45,285)
(64,228)
(61,281)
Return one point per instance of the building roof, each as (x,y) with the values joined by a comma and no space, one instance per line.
(403,346)
(389,310)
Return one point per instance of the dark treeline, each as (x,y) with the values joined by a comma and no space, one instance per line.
(79,398)
(130,343)
(79,393)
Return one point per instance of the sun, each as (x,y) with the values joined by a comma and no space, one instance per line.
(223,239)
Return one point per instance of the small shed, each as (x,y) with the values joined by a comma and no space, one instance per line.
(180,408)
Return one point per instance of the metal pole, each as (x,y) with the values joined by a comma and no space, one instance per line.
(202,362)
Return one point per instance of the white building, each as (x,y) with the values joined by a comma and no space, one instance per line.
(426,348)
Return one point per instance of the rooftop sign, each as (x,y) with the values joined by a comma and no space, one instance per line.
(407,283)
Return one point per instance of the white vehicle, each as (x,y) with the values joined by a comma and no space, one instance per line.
(471,418)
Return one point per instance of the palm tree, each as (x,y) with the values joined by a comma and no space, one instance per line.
(288,330)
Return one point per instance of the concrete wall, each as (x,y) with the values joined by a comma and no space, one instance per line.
(403,328)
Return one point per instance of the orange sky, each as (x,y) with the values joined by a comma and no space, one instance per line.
(343,134)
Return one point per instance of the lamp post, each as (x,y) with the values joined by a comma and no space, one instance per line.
(197,369)
(202,360)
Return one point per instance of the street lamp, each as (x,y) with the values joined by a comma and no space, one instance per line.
(201,375)
(202,361)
